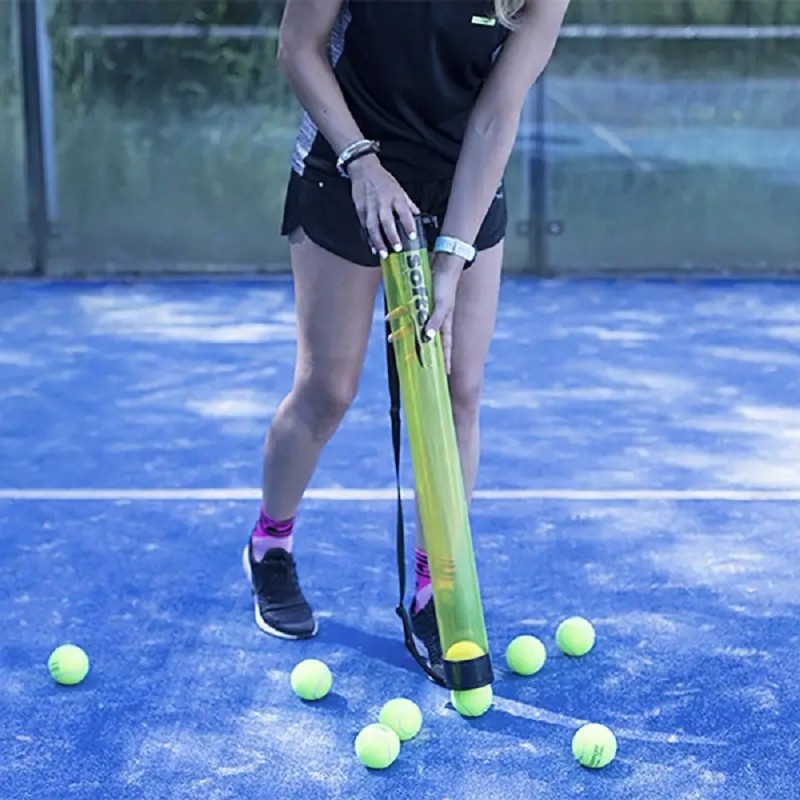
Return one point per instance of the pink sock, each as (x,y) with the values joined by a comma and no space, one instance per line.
(424,587)
(269,534)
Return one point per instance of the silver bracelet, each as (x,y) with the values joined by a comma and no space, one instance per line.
(360,147)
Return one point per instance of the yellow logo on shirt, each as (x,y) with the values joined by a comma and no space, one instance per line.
(489,22)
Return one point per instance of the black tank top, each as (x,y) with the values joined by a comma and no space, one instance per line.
(410,71)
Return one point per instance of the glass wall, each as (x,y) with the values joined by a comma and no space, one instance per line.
(13,252)
(522,180)
(638,151)
(673,155)
(173,148)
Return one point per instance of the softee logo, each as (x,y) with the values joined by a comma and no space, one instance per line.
(420,299)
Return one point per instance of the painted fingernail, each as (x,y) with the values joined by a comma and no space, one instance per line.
(398,247)
(374,251)
(384,254)
(412,236)
(429,335)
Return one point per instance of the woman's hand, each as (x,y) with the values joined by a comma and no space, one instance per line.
(381,203)
(447,270)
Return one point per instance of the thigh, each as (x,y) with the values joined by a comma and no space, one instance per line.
(335,301)
(474,318)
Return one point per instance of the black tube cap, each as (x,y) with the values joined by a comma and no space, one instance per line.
(463,675)
(423,223)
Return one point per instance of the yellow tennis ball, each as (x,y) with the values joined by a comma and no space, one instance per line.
(403,717)
(68,664)
(526,655)
(463,651)
(377,746)
(595,746)
(472,702)
(311,679)
(575,636)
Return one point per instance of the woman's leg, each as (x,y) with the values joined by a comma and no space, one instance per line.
(334,301)
(335,304)
(473,326)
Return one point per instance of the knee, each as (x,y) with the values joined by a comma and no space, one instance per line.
(465,396)
(322,404)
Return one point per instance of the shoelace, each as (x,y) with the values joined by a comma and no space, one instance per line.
(286,567)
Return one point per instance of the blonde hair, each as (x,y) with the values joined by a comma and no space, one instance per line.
(506,11)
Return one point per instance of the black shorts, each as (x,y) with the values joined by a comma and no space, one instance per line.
(322,205)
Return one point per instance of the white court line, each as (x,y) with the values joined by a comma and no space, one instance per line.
(367,495)
(518,709)
(603,133)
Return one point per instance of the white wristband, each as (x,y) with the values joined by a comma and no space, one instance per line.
(456,247)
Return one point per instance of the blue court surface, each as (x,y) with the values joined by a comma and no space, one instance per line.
(641,467)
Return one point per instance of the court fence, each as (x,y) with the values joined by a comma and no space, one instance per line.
(644,149)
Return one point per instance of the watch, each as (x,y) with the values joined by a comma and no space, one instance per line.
(456,247)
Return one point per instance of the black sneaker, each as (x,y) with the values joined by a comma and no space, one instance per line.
(426,629)
(280,608)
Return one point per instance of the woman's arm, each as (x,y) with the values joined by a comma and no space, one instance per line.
(494,122)
(303,54)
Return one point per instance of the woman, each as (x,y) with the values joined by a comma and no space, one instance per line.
(411,107)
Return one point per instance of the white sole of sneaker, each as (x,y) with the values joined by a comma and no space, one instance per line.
(262,624)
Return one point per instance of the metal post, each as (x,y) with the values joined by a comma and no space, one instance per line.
(38,120)
(48,122)
(537,232)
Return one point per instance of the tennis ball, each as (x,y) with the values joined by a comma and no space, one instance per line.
(463,651)
(377,746)
(575,636)
(68,664)
(472,702)
(311,679)
(403,717)
(594,746)
(526,655)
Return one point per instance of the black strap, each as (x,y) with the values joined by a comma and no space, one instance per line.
(394,414)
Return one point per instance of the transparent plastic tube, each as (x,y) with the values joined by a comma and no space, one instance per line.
(439,483)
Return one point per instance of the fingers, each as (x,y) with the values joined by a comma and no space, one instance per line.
(445,284)
(441,321)
(381,227)
(444,294)
(389,225)
(435,321)
(372,225)
(447,342)
(400,210)
(384,209)
(405,210)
